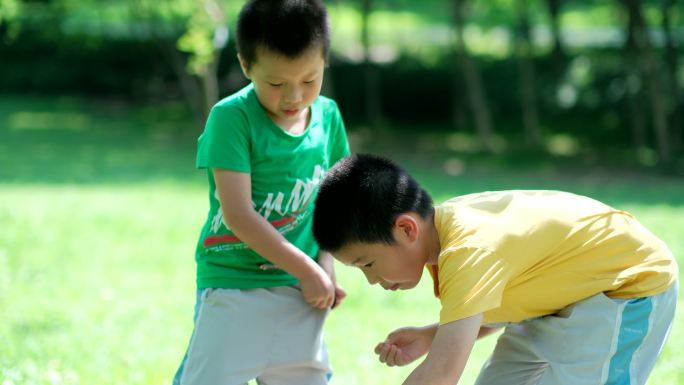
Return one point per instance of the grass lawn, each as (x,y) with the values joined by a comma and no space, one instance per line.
(100,211)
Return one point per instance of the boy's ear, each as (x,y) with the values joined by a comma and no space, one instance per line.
(406,227)
(244,66)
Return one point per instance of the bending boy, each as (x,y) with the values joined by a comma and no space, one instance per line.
(586,294)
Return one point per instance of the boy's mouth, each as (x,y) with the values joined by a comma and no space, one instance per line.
(291,111)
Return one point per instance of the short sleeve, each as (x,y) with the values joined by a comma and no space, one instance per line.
(471,281)
(225,142)
(340,145)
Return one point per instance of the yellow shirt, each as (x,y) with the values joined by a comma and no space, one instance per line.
(514,255)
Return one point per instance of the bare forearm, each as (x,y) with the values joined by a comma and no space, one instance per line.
(265,240)
(448,353)
(431,330)
(429,374)
(430,371)
(325,260)
(483,332)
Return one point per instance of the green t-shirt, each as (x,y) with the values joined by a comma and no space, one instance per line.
(285,170)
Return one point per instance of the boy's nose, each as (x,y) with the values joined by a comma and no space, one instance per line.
(293,95)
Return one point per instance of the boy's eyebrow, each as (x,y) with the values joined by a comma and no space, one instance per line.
(274,77)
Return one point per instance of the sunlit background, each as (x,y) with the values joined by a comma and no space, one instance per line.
(101,103)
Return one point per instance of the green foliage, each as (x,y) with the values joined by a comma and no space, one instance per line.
(197,42)
(204,36)
(9,11)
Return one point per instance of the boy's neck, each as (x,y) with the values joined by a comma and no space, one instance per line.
(433,245)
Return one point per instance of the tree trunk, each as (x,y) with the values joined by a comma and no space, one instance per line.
(672,63)
(459,113)
(650,73)
(220,39)
(371,78)
(634,86)
(557,52)
(528,94)
(162,35)
(471,76)
(190,88)
(210,85)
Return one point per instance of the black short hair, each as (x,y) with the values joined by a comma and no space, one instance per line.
(360,198)
(287,27)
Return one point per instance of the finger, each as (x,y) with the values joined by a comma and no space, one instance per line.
(384,350)
(402,359)
(378,347)
(338,297)
(392,356)
(323,302)
(340,293)
(314,302)
(320,304)
(387,349)
(328,300)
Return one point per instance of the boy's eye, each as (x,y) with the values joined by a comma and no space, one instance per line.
(309,82)
(369,264)
(275,84)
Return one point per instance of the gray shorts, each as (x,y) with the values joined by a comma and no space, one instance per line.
(596,341)
(270,335)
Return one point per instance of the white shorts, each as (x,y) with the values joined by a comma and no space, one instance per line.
(596,341)
(270,335)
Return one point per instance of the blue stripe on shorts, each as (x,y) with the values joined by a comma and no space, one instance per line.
(633,329)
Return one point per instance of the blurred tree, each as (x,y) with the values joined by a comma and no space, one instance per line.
(9,11)
(524,50)
(557,52)
(161,19)
(672,64)
(473,81)
(648,65)
(634,88)
(206,35)
(193,51)
(371,75)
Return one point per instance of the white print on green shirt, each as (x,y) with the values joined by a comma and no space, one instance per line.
(300,196)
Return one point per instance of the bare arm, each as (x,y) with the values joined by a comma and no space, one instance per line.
(235,195)
(407,344)
(326,261)
(448,354)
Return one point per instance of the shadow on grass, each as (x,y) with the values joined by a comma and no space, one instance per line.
(71,141)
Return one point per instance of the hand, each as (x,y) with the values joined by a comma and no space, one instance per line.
(340,295)
(325,260)
(405,345)
(318,289)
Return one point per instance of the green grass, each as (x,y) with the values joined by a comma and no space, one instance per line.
(99,226)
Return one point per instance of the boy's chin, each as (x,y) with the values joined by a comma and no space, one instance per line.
(409,285)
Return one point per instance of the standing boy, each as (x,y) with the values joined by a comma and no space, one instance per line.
(264,289)
(586,294)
